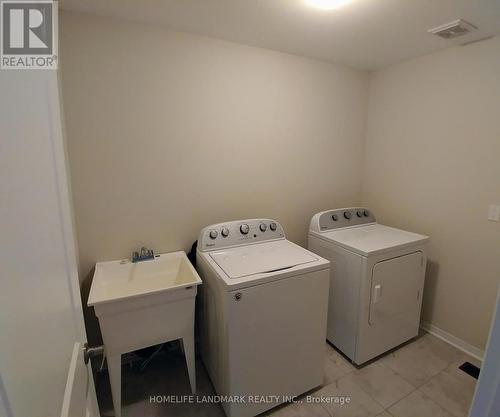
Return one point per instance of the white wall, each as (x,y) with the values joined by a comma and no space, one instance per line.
(169,132)
(432,165)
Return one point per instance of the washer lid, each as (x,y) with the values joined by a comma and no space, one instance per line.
(244,261)
(373,238)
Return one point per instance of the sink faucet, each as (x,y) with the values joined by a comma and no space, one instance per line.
(144,255)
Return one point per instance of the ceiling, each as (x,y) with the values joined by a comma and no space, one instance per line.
(364,34)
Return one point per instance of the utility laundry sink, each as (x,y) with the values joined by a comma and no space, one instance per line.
(143,304)
(117,282)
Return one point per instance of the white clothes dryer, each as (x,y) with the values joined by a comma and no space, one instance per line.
(376,281)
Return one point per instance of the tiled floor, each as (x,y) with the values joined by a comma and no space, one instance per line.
(420,379)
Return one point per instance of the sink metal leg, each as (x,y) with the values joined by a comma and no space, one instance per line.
(188,346)
(115,380)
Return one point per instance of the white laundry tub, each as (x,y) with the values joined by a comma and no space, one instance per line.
(143,304)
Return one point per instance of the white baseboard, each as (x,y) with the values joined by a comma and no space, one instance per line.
(453,340)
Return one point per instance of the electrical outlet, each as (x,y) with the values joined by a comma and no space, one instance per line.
(494,213)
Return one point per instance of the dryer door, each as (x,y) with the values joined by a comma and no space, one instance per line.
(396,291)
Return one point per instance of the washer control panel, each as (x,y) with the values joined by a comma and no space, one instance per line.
(239,232)
(338,218)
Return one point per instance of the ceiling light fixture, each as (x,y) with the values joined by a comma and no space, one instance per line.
(327,4)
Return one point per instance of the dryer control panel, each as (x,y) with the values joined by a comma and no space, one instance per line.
(239,232)
(344,217)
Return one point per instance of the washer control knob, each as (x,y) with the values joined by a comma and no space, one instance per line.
(213,234)
(263,227)
(335,217)
(273,226)
(359,213)
(365,213)
(347,215)
(244,229)
(224,232)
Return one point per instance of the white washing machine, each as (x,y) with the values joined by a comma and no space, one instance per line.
(376,282)
(264,303)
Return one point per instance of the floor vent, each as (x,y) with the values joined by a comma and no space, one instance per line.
(470,369)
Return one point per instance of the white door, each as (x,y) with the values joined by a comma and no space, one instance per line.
(486,401)
(41,322)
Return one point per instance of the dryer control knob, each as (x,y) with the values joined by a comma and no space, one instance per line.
(244,229)
(224,232)
(272,226)
(365,213)
(359,214)
(335,217)
(347,215)
(263,227)
(213,234)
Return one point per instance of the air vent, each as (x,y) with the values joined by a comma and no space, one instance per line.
(453,29)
